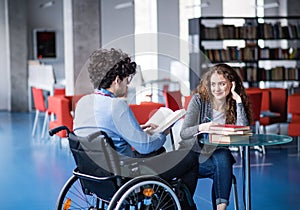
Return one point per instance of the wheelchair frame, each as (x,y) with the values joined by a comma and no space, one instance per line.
(143,192)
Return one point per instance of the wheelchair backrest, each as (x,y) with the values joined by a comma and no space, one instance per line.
(94,155)
(96,148)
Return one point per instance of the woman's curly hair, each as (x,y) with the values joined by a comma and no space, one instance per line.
(204,91)
(105,65)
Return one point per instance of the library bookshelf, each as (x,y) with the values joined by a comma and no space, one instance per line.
(261,49)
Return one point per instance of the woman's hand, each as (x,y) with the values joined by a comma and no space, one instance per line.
(206,126)
(235,96)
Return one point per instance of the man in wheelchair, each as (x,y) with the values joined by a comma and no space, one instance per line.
(110,72)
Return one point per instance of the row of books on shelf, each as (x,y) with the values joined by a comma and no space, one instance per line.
(227,133)
(251,54)
(228,32)
(261,31)
(279,53)
(277,31)
(232,54)
(279,73)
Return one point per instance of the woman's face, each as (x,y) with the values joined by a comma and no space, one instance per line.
(220,87)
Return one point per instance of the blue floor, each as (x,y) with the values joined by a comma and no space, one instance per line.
(33,170)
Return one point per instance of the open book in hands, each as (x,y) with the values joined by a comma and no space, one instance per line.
(164,118)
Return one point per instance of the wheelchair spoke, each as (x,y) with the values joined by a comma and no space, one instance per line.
(148,194)
(73,198)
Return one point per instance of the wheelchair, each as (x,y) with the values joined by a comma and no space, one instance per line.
(98,182)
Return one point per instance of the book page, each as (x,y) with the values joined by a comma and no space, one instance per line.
(160,115)
(164,118)
(229,127)
(225,132)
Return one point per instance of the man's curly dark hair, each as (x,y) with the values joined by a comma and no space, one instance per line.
(105,65)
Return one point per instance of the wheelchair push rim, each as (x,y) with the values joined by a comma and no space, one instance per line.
(143,193)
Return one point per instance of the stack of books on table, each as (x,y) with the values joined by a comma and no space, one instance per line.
(228,133)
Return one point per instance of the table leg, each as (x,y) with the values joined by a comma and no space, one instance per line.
(246,178)
(172,139)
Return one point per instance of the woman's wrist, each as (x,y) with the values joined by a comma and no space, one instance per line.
(238,100)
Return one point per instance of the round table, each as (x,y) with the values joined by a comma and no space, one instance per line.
(254,140)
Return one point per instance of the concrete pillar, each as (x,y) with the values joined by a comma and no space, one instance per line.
(17,16)
(86,33)
(168,35)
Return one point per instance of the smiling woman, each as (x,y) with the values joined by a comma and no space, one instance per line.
(219,98)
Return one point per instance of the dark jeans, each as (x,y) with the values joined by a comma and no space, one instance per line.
(218,167)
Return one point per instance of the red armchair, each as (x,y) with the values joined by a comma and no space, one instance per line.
(173,99)
(60,107)
(186,102)
(145,110)
(255,97)
(274,100)
(294,125)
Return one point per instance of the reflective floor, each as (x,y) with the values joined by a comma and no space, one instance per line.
(33,170)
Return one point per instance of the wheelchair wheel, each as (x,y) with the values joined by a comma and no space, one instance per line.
(145,193)
(72,197)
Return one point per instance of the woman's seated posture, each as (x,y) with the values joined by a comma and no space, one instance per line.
(219,98)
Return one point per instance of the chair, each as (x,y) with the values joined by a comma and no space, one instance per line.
(144,110)
(60,107)
(173,99)
(255,97)
(59,91)
(277,103)
(186,102)
(294,125)
(40,107)
(265,107)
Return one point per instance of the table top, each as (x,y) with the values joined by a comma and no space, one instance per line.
(256,140)
(269,114)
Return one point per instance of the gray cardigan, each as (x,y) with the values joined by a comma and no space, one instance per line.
(197,112)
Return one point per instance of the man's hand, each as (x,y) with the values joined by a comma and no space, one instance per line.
(167,131)
(148,126)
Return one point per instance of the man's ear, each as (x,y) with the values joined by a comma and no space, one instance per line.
(117,80)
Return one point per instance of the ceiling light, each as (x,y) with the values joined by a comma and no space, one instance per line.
(202,5)
(47,4)
(269,5)
(124,5)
